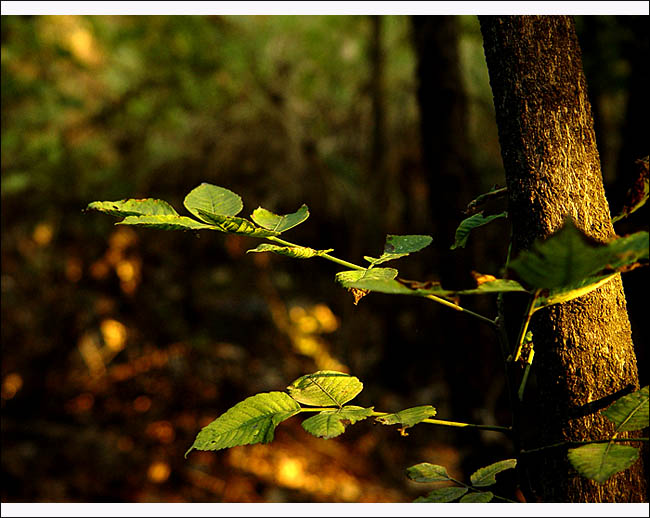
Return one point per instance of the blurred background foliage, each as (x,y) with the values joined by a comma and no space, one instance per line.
(118,345)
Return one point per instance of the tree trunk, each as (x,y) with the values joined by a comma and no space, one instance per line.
(583,348)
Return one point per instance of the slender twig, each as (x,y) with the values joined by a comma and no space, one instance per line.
(353,266)
(580,443)
(440,422)
(524,325)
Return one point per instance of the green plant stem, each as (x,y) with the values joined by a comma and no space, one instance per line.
(581,443)
(440,422)
(353,266)
(524,326)
(451,305)
(324,256)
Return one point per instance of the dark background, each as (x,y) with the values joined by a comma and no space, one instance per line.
(119,344)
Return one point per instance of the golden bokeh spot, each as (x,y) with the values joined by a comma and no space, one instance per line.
(91,354)
(80,404)
(327,320)
(142,404)
(290,472)
(122,238)
(43,233)
(12,383)
(114,334)
(158,471)
(162,431)
(73,269)
(99,269)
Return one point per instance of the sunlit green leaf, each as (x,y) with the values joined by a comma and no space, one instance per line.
(442,495)
(568,257)
(325,388)
(234,225)
(629,412)
(251,421)
(492,286)
(408,417)
(469,224)
(279,223)
(132,207)
(425,472)
(213,200)
(400,246)
(600,461)
(486,476)
(297,252)
(331,423)
(166,222)
(480,497)
(570,292)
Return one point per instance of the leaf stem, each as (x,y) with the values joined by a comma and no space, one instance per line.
(324,256)
(451,305)
(580,443)
(524,326)
(440,422)
(353,266)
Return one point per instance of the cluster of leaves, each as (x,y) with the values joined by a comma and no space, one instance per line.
(255,419)
(468,494)
(560,268)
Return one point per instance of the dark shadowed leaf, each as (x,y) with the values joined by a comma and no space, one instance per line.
(481,497)
(469,224)
(568,257)
(486,476)
(637,195)
(442,495)
(425,472)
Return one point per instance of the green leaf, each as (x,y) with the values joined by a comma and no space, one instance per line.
(480,497)
(213,200)
(332,423)
(400,246)
(469,224)
(486,476)
(408,417)
(600,461)
(442,495)
(325,388)
(251,421)
(570,292)
(629,412)
(233,225)
(166,222)
(123,208)
(425,472)
(297,252)
(492,286)
(568,257)
(276,223)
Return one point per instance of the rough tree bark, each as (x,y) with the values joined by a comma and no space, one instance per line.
(584,349)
